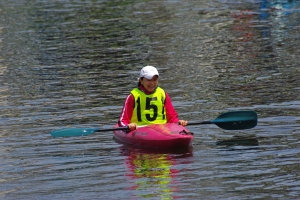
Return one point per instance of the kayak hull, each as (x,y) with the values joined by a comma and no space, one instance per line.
(161,136)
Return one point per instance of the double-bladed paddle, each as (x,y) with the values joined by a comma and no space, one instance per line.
(236,120)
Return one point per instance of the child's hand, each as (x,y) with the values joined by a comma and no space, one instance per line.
(132,126)
(183,122)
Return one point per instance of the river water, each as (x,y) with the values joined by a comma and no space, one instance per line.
(72,63)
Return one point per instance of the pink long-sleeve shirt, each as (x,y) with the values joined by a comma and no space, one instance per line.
(124,120)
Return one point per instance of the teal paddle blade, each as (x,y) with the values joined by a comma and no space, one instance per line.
(69,132)
(236,120)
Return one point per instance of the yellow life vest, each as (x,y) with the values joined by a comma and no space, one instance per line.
(149,108)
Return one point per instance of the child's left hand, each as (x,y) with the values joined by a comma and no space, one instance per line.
(183,122)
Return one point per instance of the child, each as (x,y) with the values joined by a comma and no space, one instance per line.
(148,103)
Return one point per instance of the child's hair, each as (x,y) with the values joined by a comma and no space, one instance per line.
(139,83)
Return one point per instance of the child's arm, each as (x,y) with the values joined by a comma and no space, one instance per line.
(172,116)
(127,111)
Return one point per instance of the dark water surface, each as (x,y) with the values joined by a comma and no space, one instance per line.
(72,63)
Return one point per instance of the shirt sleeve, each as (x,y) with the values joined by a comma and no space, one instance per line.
(127,111)
(172,116)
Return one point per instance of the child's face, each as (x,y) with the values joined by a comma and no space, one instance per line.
(150,84)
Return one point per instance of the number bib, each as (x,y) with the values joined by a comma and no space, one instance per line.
(149,109)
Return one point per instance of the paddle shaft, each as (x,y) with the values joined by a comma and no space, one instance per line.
(198,123)
(125,128)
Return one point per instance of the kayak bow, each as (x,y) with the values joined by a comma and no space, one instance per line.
(162,136)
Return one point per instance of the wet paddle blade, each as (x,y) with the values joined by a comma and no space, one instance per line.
(68,132)
(236,120)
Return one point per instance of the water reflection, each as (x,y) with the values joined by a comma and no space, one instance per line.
(257,65)
(237,140)
(152,172)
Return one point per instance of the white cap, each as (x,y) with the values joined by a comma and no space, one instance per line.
(148,72)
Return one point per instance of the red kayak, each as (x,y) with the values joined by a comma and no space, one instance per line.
(170,135)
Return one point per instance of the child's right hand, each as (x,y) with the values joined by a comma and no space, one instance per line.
(132,126)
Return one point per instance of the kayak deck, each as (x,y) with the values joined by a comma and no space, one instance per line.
(170,135)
